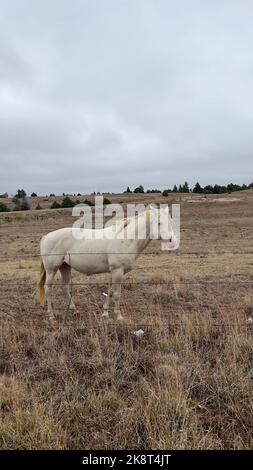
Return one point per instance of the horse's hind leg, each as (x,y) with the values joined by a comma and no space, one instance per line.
(48,291)
(65,271)
(117,277)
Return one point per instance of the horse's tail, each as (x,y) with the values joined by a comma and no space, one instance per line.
(41,284)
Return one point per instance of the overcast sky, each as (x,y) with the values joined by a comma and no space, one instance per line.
(96,95)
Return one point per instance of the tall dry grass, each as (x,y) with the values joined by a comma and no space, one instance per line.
(89,384)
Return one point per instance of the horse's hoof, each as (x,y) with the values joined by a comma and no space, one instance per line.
(105,315)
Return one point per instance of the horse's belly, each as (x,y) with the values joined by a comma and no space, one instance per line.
(89,264)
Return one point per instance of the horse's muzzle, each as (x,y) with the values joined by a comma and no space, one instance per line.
(169,243)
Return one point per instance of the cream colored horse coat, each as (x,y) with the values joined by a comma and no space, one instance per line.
(116,252)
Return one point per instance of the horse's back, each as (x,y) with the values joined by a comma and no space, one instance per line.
(85,255)
(84,252)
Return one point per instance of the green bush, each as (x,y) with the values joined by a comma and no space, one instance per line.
(24,205)
(4,208)
(150,191)
(139,189)
(89,203)
(107,201)
(55,205)
(38,207)
(67,202)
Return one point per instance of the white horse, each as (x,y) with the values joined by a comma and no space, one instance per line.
(113,249)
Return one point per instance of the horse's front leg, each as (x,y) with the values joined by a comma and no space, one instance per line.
(117,277)
(107,302)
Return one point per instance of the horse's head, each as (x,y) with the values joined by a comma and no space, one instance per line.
(163,228)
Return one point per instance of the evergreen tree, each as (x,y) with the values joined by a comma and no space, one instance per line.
(208,189)
(197,188)
(21,194)
(186,187)
(139,189)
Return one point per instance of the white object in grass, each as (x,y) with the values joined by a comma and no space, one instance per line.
(138,333)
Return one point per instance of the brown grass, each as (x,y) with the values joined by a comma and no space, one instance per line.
(85,383)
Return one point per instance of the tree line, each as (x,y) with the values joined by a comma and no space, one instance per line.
(197,189)
(21,203)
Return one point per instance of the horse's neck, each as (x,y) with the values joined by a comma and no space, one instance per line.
(144,231)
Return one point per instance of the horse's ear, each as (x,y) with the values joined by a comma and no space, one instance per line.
(126,222)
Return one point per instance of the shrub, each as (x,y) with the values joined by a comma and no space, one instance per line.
(67,202)
(38,207)
(107,201)
(89,203)
(139,189)
(3,207)
(24,205)
(33,195)
(55,205)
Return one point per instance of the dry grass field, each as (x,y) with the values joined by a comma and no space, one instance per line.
(84,382)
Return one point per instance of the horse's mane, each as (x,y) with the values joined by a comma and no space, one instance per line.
(127,220)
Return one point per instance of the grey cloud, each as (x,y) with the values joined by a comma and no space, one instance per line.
(99,95)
